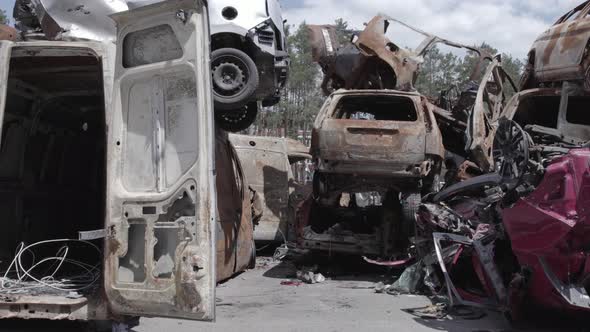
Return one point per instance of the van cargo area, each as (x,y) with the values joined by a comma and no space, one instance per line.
(52,175)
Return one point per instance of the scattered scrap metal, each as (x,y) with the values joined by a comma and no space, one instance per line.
(371,60)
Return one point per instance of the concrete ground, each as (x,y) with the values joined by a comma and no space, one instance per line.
(256,301)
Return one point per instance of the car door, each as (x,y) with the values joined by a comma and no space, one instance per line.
(493,93)
(559,50)
(161,198)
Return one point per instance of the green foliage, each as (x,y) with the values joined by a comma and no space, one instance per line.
(343,31)
(302,98)
(3,17)
(440,71)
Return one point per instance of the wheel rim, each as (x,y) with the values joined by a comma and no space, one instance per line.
(236,116)
(511,152)
(230,75)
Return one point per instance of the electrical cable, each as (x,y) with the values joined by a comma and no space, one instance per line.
(26,278)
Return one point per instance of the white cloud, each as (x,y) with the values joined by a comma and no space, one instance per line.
(509,25)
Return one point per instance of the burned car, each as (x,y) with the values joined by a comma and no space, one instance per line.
(380,148)
(107,174)
(375,152)
(249,59)
(372,60)
(561,53)
(515,236)
(518,236)
(268,164)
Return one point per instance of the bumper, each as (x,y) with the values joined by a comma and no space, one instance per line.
(356,244)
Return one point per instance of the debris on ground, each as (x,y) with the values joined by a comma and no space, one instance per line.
(310,278)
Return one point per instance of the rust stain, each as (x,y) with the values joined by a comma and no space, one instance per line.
(552,44)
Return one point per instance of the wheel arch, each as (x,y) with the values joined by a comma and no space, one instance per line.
(230,40)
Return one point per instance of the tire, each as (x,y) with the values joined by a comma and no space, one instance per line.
(235,79)
(237,120)
(252,263)
(410,205)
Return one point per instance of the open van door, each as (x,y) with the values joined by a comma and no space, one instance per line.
(159,255)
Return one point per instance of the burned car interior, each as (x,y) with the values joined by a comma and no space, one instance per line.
(53,148)
(376,108)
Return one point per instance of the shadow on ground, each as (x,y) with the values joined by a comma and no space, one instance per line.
(335,267)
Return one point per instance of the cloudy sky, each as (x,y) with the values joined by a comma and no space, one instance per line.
(509,25)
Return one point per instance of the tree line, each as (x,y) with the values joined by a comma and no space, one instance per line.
(302,97)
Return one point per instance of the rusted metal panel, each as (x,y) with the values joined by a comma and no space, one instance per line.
(266,167)
(489,105)
(373,42)
(323,40)
(266,162)
(235,245)
(561,52)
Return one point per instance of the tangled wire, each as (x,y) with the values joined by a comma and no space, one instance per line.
(45,274)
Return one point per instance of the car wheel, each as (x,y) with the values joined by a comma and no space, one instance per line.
(235,78)
(410,205)
(252,263)
(237,120)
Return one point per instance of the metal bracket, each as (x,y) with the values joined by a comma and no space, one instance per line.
(93,235)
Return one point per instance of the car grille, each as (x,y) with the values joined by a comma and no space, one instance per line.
(266,37)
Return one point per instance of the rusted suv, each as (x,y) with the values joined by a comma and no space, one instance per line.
(377,133)
(375,151)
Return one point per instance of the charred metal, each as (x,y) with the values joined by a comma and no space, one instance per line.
(481,192)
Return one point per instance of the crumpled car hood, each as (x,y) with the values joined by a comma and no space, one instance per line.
(75,19)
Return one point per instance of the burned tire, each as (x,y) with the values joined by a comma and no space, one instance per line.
(410,205)
(252,263)
(237,120)
(235,79)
